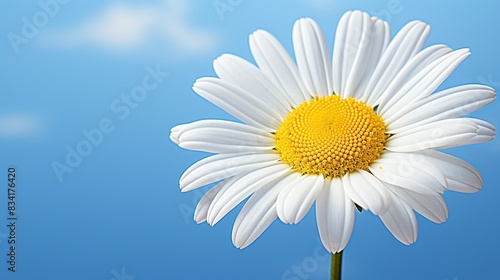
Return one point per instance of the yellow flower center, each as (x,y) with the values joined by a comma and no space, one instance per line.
(331,136)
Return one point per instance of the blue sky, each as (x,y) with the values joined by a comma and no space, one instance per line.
(90,90)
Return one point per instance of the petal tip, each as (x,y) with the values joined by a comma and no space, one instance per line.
(174,137)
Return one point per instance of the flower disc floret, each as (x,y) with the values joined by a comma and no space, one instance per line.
(331,136)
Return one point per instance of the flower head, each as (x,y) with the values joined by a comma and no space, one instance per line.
(361,131)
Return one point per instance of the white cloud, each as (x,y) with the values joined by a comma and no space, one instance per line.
(17,125)
(127,28)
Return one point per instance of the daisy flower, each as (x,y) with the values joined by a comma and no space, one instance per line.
(361,129)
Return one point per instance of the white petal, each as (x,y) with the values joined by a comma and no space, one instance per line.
(367,191)
(218,136)
(222,166)
(421,60)
(401,221)
(485,125)
(421,84)
(257,214)
(249,78)
(238,188)
(409,171)
(201,211)
(275,62)
(174,133)
(432,207)
(412,67)
(295,200)
(289,182)
(439,134)
(407,42)
(485,133)
(313,58)
(334,216)
(460,176)
(450,103)
(360,41)
(239,103)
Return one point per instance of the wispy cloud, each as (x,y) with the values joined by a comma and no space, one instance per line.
(130,28)
(17,125)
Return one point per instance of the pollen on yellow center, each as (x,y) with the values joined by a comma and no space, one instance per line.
(331,136)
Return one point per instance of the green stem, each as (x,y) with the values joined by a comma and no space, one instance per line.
(336,266)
